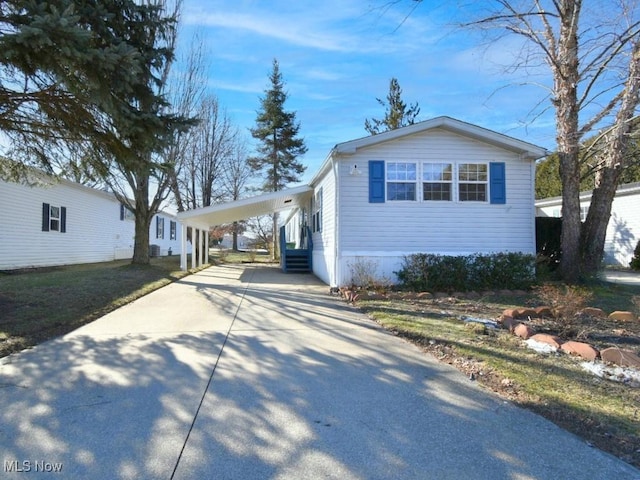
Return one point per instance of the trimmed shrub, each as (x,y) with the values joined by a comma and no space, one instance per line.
(446,273)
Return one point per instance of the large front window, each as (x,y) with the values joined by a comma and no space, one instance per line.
(401,181)
(437,179)
(472,182)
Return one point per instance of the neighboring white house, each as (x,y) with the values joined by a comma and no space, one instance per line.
(623,230)
(59,222)
(440,186)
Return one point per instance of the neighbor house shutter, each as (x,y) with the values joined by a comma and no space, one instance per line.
(63,219)
(376,181)
(498,184)
(122,211)
(45,217)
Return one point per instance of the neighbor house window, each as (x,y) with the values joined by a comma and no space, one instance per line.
(54,218)
(159,227)
(125,213)
(437,180)
(172,230)
(472,182)
(401,181)
(584,210)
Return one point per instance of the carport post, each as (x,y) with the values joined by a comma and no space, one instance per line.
(206,247)
(194,246)
(183,247)
(200,242)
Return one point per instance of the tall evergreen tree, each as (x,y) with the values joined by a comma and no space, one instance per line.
(277,131)
(61,62)
(397,113)
(280,146)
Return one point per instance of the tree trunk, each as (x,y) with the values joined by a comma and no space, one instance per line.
(607,179)
(234,236)
(143,217)
(566,79)
(276,238)
(594,230)
(141,243)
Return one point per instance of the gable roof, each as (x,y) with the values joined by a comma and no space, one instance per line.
(527,150)
(451,124)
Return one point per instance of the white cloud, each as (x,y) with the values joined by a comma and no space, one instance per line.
(296,31)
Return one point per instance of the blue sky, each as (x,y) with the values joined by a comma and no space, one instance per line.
(337,56)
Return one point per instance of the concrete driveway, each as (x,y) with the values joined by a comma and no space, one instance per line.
(246,373)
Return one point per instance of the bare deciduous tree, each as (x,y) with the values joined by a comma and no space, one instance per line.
(594,59)
(235,178)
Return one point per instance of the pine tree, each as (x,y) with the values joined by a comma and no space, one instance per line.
(279,147)
(277,131)
(397,113)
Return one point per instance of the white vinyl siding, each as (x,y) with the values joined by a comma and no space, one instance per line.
(324,239)
(389,230)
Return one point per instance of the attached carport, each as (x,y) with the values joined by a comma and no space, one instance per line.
(200,220)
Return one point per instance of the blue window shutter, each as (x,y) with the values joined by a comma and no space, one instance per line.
(63,219)
(45,217)
(376,181)
(498,183)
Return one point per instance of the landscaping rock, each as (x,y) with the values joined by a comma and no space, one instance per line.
(624,358)
(424,296)
(623,316)
(523,331)
(593,312)
(552,340)
(543,312)
(508,322)
(581,349)
(522,313)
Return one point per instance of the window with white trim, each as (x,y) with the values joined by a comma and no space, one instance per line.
(172,230)
(54,218)
(159,227)
(473,182)
(437,181)
(401,181)
(316,217)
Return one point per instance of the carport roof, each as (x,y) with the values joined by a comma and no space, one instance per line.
(247,207)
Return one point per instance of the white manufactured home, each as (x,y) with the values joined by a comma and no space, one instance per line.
(59,222)
(440,186)
(623,230)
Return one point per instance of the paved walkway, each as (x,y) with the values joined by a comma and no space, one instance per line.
(246,373)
